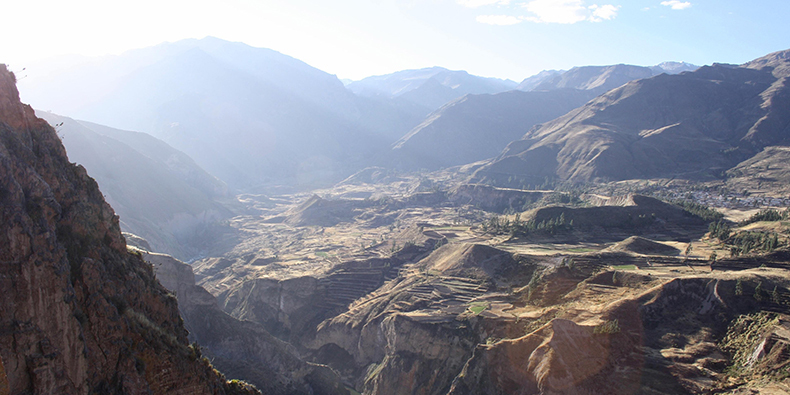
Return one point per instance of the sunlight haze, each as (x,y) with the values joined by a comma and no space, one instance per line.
(355,39)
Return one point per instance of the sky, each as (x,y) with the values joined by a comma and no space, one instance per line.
(354,39)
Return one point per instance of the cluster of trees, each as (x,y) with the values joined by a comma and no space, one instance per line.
(700,210)
(760,293)
(744,242)
(767,215)
(641,221)
(503,225)
(570,197)
(720,230)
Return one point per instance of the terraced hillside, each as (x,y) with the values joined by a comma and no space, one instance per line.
(414,291)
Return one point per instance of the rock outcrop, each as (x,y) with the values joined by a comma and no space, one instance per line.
(241,349)
(413,335)
(676,338)
(78,313)
(556,359)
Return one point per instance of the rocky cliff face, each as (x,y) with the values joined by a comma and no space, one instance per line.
(676,338)
(79,313)
(473,319)
(413,335)
(241,349)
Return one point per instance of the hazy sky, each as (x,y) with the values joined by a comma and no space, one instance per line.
(357,38)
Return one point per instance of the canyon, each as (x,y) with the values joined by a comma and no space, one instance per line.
(613,229)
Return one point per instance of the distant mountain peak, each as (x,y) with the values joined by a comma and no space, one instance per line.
(431,87)
(595,78)
(531,82)
(672,67)
(599,78)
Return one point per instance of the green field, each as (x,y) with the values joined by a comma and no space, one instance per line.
(478,307)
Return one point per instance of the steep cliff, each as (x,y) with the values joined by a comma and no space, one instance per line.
(79,314)
(474,319)
(241,349)
(695,335)
(414,334)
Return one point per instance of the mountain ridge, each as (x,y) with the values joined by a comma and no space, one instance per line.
(158,192)
(430,87)
(693,124)
(477,127)
(253,117)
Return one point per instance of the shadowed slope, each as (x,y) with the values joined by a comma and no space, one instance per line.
(158,192)
(692,125)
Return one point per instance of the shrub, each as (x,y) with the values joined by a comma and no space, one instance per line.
(608,327)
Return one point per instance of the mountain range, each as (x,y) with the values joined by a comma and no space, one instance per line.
(693,125)
(247,115)
(261,121)
(599,78)
(430,87)
(478,126)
